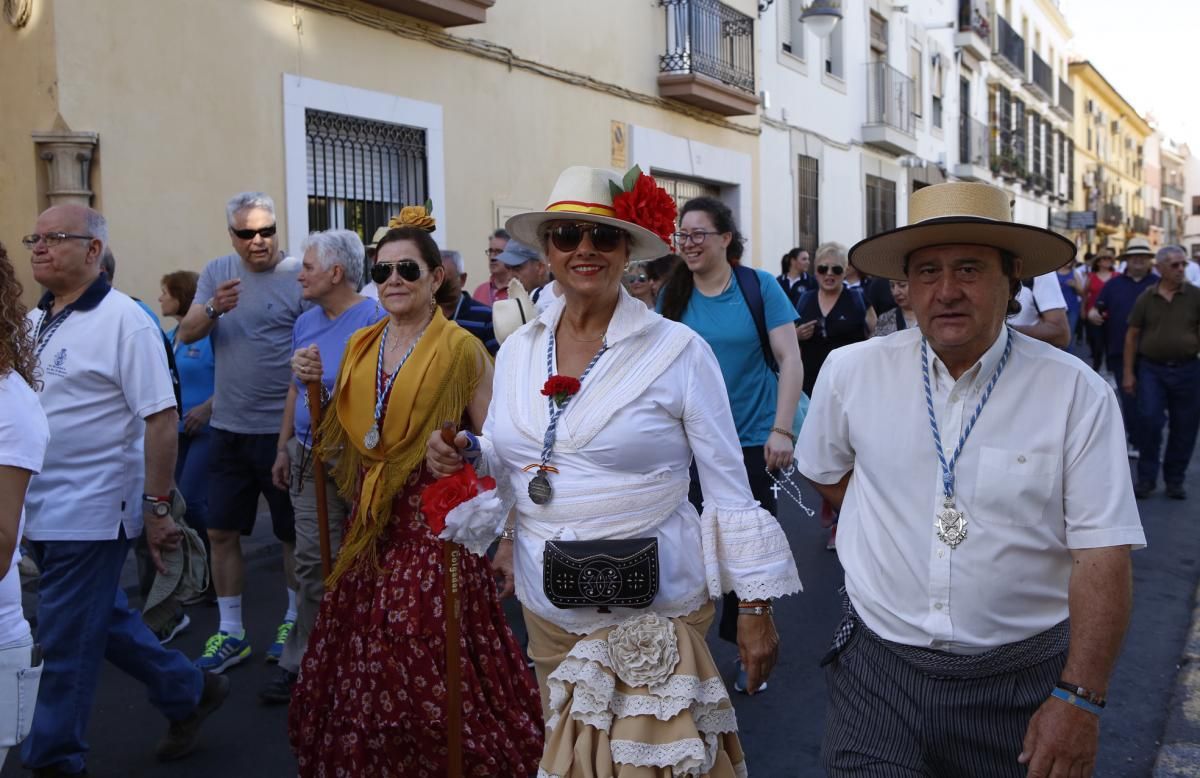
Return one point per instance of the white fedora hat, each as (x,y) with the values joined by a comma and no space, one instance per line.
(510,315)
(586,194)
(961,212)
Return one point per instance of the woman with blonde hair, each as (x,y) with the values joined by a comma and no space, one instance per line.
(24,434)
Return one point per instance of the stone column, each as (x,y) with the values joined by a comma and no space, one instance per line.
(68,158)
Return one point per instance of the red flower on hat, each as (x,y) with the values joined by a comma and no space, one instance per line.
(445,494)
(647,205)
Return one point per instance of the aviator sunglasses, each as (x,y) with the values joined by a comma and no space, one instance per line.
(567,237)
(407,269)
(836,270)
(266,232)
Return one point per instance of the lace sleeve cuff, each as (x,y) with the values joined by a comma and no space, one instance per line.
(745,551)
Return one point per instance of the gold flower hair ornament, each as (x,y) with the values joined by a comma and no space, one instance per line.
(417,216)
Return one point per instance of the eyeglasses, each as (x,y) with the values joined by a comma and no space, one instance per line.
(407,269)
(266,232)
(696,236)
(567,237)
(639,278)
(1179,264)
(835,270)
(493,253)
(51,239)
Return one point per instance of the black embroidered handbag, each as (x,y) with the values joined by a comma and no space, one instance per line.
(601,573)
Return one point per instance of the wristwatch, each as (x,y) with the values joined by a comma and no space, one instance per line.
(211,312)
(159,506)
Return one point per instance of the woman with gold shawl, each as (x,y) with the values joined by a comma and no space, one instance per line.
(371,696)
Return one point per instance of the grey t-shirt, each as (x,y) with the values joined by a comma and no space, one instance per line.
(252,343)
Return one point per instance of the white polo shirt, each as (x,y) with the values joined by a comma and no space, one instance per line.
(1046,295)
(1044,471)
(103,372)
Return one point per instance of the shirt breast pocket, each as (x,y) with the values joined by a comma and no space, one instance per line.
(1013,487)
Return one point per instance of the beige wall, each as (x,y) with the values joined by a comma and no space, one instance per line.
(28,73)
(187,99)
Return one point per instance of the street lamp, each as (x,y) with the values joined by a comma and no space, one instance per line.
(821,16)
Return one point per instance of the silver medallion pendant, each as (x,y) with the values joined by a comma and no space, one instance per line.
(371,439)
(951,524)
(539,489)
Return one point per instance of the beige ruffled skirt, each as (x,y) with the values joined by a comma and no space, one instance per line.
(643,699)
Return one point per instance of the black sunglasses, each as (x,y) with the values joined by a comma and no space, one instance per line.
(266,232)
(636,278)
(567,237)
(407,269)
(836,270)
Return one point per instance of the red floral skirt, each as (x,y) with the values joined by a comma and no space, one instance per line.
(371,697)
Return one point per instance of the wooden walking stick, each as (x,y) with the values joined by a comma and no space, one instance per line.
(453,670)
(314,412)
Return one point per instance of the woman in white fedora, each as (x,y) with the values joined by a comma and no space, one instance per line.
(599,407)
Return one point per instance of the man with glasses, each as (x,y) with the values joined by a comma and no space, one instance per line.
(105,480)
(1164,336)
(496,287)
(252,300)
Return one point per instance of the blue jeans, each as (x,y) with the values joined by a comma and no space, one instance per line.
(191,476)
(84,617)
(1167,396)
(1129,410)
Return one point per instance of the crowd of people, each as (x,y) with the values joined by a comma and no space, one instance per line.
(322,383)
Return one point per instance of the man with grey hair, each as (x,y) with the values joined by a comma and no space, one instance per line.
(251,301)
(458,306)
(106,479)
(330,276)
(1164,337)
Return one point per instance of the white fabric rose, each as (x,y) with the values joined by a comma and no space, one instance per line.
(644,649)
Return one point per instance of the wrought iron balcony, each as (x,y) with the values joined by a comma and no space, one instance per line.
(1065,107)
(973,137)
(1009,159)
(1112,214)
(974,27)
(709,59)
(1042,81)
(1009,49)
(1173,193)
(444,13)
(890,123)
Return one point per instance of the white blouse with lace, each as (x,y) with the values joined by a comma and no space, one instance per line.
(624,446)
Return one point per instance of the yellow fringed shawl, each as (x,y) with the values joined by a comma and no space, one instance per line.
(434,386)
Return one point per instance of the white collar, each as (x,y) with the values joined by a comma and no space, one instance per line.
(984,367)
(630,318)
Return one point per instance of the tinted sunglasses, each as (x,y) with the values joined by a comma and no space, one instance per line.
(567,237)
(265,232)
(636,278)
(836,270)
(407,269)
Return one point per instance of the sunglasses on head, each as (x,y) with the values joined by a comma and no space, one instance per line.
(265,232)
(836,270)
(407,269)
(567,237)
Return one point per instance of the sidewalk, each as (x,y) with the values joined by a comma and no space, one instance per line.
(1179,754)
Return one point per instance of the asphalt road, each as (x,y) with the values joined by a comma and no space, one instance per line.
(781,730)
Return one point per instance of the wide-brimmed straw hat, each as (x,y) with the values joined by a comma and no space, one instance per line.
(584,194)
(1137,247)
(961,212)
(510,315)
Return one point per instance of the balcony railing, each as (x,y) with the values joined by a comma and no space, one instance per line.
(1043,77)
(1066,100)
(1173,193)
(1010,48)
(1112,214)
(973,139)
(709,38)
(973,16)
(889,97)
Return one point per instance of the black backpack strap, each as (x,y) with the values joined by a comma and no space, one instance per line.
(752,292)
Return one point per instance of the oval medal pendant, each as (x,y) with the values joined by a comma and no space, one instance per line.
(539,489)
(371,439)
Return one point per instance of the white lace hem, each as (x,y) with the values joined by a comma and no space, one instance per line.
(745,551)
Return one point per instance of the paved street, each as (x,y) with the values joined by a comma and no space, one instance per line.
(781,730)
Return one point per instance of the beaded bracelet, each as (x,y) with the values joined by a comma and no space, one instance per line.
(1076,700)
(788,433)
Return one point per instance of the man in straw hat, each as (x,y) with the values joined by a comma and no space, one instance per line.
(988,582)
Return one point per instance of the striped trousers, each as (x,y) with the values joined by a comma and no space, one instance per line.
(889,719)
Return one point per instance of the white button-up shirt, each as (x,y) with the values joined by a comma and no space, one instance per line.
(1044,471)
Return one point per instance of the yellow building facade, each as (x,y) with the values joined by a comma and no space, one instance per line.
(1110,141)
(344,110)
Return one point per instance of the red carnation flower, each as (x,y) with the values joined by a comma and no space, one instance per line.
(647,205)
(445,494)
(561,388)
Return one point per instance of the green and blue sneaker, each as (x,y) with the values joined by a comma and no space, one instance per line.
(223,651)
(281,636)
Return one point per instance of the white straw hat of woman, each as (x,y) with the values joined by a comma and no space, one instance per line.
(961,212)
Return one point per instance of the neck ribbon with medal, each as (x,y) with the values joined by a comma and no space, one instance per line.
(558,395)
(382,390)
(950,523)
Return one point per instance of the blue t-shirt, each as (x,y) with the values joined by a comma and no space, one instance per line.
(197,370)
(724,321)
(330,337)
